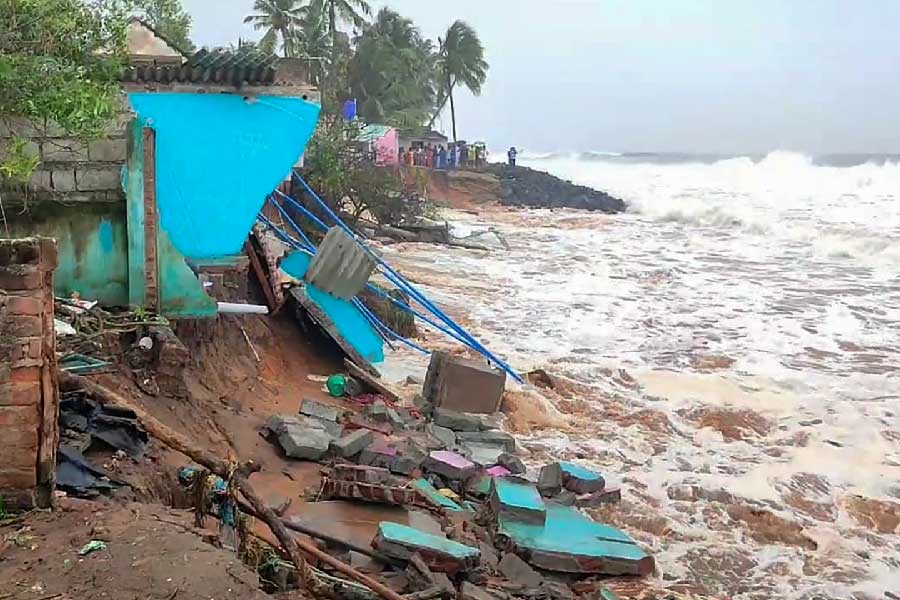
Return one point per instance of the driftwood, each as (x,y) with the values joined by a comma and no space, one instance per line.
(227,471)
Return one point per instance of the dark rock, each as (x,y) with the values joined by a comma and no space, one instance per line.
(512,463)
(595,499)
(521,186)
(550,482)
(518,571)
(458,421)
(566,498)
(444,435)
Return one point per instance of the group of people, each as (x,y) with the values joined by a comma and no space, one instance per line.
(454,156)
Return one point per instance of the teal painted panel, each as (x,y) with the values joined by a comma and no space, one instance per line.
(181,293)
(570,532)
(579,472)
(351,324)
(133,182)
(425,488)
(407,536)
(518,495)
(296,263)
(218,156)
(92,245)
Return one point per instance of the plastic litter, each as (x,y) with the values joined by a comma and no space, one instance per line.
(337,385)
(92,546)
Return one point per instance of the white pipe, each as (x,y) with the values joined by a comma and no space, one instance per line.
(242,309)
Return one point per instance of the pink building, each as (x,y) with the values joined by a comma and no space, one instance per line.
(384,141)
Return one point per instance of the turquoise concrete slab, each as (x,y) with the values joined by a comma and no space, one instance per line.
(407,536)
(514,494)
(429,491)
(573,470)
(571,542)
(296,263)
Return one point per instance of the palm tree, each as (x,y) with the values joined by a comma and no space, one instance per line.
(460,61)
(280,19)
(352,11)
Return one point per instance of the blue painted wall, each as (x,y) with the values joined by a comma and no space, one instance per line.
(218,156)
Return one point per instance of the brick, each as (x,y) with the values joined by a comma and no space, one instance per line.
(64,150)
(49,257)
(26,352)
(87,180)
(28,375)
(18,478)
(20,278)
(19,416)
(109,150)
(20,394)
(63,180)
(24,251)
(20,447)
(25,326)
(30,304)
(40,181)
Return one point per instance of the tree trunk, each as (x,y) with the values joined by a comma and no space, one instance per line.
(332,24)
(452,106)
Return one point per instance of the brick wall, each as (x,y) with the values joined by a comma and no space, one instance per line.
(71,170)
(29,397)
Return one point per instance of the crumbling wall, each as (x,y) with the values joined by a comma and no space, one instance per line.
(29,396)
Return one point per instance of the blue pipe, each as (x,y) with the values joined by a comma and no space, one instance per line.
(279,232)
(304,210)
(309,244)
(414,312)
(403,284)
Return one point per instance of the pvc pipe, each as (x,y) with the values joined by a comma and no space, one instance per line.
(232,308)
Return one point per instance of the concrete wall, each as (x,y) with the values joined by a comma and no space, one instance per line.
(71,170)
(29,397)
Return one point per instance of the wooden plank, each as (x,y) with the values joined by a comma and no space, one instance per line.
(151,221)
(264,282)
(373,380)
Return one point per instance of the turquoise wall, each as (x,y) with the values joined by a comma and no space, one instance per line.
(92,246)
(218,156)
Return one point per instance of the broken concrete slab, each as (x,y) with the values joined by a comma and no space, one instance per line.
(494,438)
(498,471)
(512,463)
(550,481)
(463,385)
(409,460)
(570,542)
(379,454)
(606,496)
(362,474)
(581,480)
(451,465)
(518,571)
(444,435)
(470,591)
(370,492)
(480,486)
(353,443)
(459,421)
(300,437)
(319,410)
(485,455)
(433,497)
(440,554)
(361,422)
(517,500)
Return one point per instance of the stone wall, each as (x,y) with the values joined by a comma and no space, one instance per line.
(29,397)
(71,170)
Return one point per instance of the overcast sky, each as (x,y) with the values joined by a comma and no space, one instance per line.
(729,76)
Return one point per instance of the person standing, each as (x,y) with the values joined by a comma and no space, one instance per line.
(511,156)
(442,158)
(463,155)
(451,163)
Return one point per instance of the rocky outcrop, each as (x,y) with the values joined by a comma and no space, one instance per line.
(521,186)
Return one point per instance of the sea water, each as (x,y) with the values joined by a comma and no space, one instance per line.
(733,343)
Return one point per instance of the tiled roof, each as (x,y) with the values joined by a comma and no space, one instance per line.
(215,67)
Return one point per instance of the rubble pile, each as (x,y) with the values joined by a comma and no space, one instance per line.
(507,531)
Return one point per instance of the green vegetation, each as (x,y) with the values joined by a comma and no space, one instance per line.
(397,76)
(60,61)
(168,18)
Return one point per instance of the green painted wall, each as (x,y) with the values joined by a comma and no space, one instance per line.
(92,245)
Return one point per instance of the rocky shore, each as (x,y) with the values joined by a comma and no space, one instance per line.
(522,186)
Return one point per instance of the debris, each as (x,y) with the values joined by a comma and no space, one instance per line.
(409,460)
(434,497)
(607,496)
(445,436)
(498,471)
(80,364)
(517,501)
(301,437)
(63,329)
(325,412)
(463,385)
(76,476)
(483,454)
(512,463)
(379,454)
(353,443)
(458,421)
(550,481)
(361,474)
(372,380)
(581,480)
(449,464)
(469,591)
(518,571)
(489,556)
(489,438)
(480,486)
(116,427)
(570,542)
(92,546)
(440,554)
(360,422)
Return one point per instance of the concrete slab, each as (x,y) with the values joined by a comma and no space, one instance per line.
(444,435)
(492,438)
(440,554)
(449,464)
(581,480)
(485,455)
(319,410)
(517,500)
(300,437)
(353,443)
(458,421)
(463,385)
(570,542)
